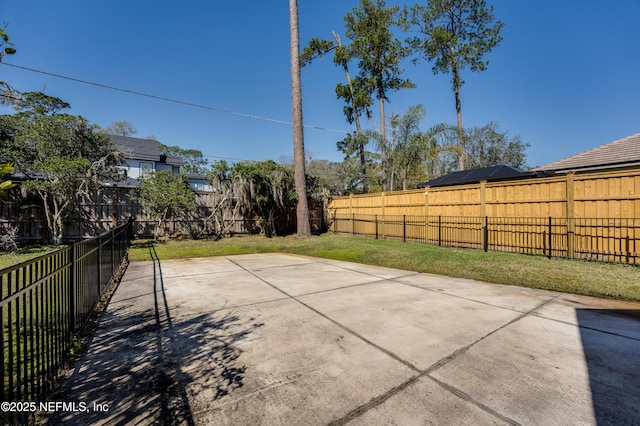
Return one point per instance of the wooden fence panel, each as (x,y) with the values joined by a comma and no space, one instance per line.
(594,216)
(404,202)
(365,204)
(113,206)
(595,195)
(611,195)
(464,200)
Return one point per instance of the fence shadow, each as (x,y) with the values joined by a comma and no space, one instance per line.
(143,364)
(613,362)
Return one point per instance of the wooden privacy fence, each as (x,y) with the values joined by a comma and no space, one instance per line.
(113,206)
(44,303)
(614,195)
(594,216)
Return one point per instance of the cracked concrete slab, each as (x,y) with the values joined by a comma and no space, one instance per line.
(285,339)
(420,327)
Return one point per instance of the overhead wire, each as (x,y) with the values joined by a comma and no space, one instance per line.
(165,99)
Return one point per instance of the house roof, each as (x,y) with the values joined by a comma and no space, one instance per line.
(618,153)
(172,160)
(136,148)
(490,174)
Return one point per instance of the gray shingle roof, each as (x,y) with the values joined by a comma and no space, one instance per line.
(136,148)
(617,153)
(172,159)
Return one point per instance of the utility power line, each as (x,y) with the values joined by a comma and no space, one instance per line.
(162,98)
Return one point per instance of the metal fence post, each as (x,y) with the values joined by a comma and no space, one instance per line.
(72,291)
(99,264)
(353,224)
(550,236)
(485,236)
(376,227)
(113,251)
(404,228)
(439,230)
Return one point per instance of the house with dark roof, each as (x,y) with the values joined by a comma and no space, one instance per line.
(622,154)
(488,174)
(144,155)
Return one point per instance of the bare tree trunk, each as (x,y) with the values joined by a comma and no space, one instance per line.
(456,90)
(383,145)
(356,117)
(459,116)
(302,210)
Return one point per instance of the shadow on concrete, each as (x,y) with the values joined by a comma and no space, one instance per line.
(612,353)
(142,364)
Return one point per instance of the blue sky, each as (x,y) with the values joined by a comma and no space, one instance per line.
(565,77)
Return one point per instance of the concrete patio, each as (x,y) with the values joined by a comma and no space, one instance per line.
(278,339)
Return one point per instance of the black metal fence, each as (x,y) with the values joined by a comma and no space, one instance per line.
(45,301)
(612,240)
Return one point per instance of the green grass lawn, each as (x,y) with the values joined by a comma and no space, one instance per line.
(22,255)
(570,276)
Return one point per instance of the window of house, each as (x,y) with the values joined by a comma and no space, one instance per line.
(145,167)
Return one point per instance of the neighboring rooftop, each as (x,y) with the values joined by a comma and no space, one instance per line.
(490,174)
(137,148)
(622,153)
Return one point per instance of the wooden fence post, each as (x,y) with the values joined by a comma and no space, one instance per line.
(335,224)
(382,212)
(483,198)
(426,213)
(114,207)
(571,215)
(426,201)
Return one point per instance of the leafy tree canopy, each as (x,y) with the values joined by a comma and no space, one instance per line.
(264,191)
(163,193)
(488,146)
(62,156)
(454,35)
(374,45)
(379,53)
(194,161)
(120,128)
(485,146)
(5,169)
(6,47)
(8,95)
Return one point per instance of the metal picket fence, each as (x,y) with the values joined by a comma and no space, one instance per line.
(45,302)
(610,240)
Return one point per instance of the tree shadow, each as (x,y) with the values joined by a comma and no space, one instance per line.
(144,364)
(611,344)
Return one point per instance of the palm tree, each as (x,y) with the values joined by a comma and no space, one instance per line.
(410,148)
